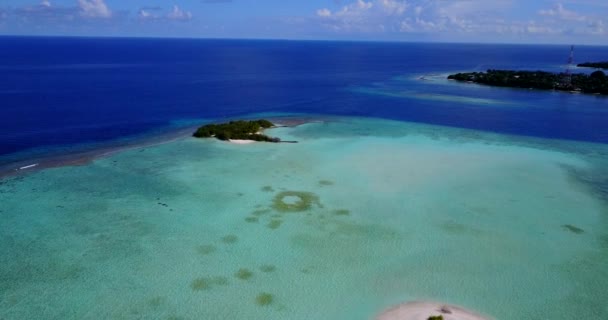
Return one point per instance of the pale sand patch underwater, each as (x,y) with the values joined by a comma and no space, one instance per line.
(397,92)
(360,215)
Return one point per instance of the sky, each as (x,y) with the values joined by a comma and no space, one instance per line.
(493,21)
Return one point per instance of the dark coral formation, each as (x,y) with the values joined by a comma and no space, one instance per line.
(206,283)
(244,274)
(573,229)
(264,299)
(342,212)
(230,239)
(305,201)
(205,249)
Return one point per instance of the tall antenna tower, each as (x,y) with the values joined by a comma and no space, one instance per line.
(568,77)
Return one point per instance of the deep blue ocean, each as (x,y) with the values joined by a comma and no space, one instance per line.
(62,92)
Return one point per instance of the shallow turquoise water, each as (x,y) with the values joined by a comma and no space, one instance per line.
(514,228)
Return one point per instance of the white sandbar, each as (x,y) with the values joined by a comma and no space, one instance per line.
(424,310)
(241,141)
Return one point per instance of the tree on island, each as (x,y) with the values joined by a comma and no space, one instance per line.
(237,130)
(598,75)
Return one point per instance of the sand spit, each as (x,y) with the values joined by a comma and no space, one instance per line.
(424,310)
(84,157)
(241,141)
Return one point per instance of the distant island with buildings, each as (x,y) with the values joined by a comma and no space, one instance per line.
(594,83)
(596,65)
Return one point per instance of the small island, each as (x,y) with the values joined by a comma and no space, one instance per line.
(596,65)
(237,130)
(595,83)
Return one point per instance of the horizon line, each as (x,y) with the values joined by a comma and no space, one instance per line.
(297,40)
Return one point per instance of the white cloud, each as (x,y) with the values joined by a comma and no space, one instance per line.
(179,14)
(458,17)
(94,9)
(562,13)
(413,15)
(324,12)
(361,4)
(406,26)
(47,12)
(572,22)
(365,16)
(357,8)
(145,14)
(393,7)
(597,27)
(533,28)
(151,14)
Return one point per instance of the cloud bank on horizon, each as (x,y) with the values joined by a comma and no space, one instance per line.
(543,21)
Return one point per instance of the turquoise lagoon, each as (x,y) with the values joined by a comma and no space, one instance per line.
(361,214)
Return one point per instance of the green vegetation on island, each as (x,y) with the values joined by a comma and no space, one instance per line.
(237,130)
(597,82)
(597,65)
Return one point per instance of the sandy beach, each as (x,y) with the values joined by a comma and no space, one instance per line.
(241,141)
(424,310)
